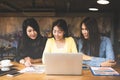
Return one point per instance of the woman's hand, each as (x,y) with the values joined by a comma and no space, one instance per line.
(86,57)
(27,61)
(109,63)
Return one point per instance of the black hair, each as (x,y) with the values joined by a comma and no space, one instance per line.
(32,23)
(62,25)
(93,43)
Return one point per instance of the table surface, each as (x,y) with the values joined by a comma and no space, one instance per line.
(86,75)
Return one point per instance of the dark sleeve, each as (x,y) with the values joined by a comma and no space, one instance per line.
(20,51)
(38,48)
(43,43)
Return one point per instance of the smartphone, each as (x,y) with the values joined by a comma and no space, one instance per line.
(13,73)
(7,72)
(85,66)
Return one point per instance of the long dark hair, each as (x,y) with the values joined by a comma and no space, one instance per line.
(62,25)
(93,43)
(32,23)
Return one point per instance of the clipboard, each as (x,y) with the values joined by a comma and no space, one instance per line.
(104,71)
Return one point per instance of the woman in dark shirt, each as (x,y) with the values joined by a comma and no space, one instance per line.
(31,46)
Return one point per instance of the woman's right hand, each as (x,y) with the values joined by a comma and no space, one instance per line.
(109,63)
(27,61)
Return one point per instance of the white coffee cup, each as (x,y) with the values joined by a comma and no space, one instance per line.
(5,65)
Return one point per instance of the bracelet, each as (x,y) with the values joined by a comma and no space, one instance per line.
(22,61)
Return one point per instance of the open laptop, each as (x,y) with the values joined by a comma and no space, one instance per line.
(63,63)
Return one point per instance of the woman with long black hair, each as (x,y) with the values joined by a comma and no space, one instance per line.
(31,46)
(97,50)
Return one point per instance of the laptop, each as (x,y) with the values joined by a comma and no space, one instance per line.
(63,63)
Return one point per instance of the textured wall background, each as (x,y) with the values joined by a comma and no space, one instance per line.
(10,25)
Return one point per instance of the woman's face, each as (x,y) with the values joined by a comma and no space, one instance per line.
(85,31)
(31,32)
(58,33)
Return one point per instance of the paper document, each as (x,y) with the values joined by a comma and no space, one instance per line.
(34,69)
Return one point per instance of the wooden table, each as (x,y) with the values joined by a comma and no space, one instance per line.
(86,75)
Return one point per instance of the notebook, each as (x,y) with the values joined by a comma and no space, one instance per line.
(104,71)
(63,63)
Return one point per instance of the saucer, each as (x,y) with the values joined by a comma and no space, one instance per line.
(5,69)
(7,65)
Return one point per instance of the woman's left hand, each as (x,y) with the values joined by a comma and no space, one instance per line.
(86,57)
(109,63)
